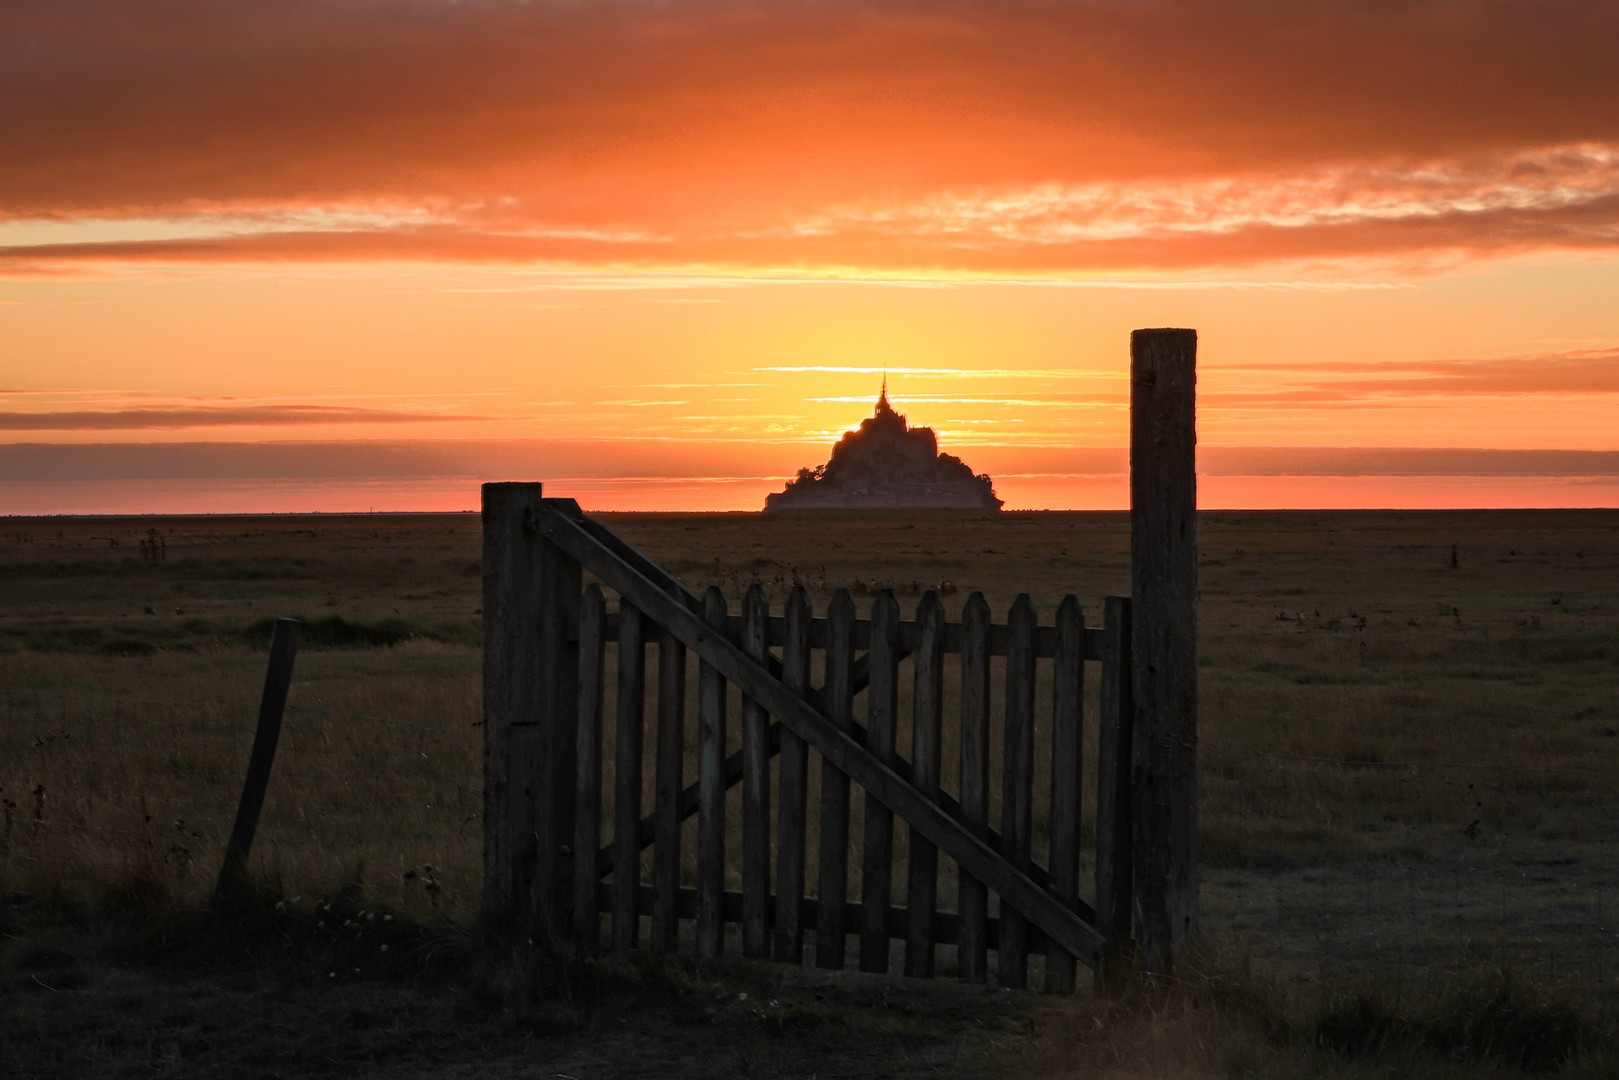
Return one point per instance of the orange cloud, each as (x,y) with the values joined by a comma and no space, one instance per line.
(1017,137)
(213,416)
(470,460)
(642,462)
(1583,372)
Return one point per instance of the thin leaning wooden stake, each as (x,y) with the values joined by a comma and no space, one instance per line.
(277,680)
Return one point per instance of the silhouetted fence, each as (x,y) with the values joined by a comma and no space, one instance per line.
(775,660)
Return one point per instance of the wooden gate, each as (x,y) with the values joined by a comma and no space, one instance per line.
(552,867)
(549,796)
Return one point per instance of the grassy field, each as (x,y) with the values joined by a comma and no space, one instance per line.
(1410,796)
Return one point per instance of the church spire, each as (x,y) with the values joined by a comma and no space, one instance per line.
(882,398)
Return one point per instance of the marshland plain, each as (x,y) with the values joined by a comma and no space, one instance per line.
(1409,775)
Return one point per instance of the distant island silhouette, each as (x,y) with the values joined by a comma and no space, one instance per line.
(887,465)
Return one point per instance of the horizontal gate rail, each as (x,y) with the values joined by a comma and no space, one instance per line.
(944,927)
(907,635)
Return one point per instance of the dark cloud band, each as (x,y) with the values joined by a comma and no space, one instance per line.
(475,461)
(897,135)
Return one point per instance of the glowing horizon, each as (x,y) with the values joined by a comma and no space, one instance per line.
(656,255)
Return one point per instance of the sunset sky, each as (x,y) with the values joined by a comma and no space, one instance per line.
(346,255)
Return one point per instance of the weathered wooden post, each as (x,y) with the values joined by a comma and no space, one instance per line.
(1163,563)
(511,700)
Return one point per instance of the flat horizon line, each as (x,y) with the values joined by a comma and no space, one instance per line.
(809,514)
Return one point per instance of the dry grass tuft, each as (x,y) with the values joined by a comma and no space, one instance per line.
(1229,1015)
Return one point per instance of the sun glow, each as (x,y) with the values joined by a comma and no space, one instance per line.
(464,244)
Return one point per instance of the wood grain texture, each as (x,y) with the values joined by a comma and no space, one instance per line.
(1163,587)
(511,649)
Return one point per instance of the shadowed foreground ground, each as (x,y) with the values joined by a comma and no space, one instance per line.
(110,1000)
(1408,795)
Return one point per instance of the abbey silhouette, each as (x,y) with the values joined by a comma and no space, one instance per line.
(887,465)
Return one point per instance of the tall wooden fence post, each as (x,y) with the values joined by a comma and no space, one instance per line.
(1163,562)
(511,698)
(277,681)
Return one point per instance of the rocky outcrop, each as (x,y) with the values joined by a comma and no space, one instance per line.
(886,464)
